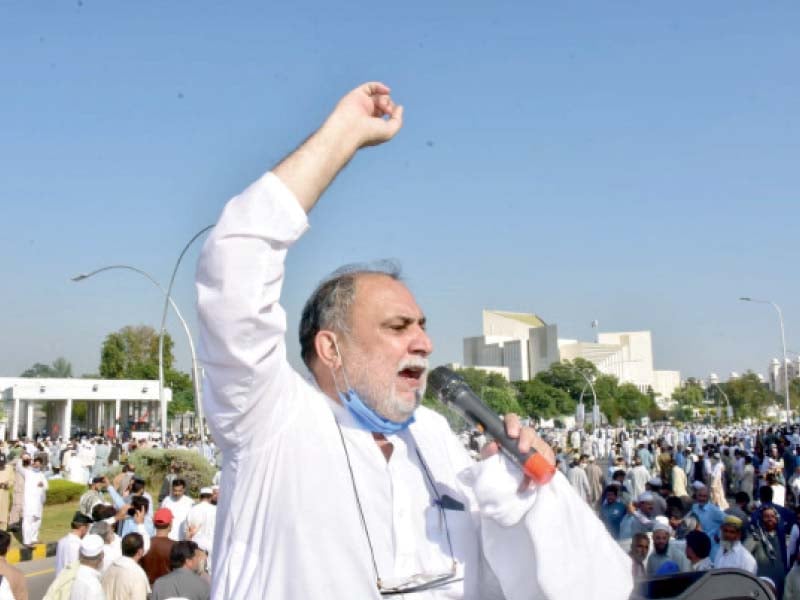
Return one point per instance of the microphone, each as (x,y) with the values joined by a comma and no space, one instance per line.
(453,392)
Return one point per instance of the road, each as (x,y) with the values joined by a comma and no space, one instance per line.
(38,574)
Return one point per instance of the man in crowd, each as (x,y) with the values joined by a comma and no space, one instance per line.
(201,519)
(125,579)
(139,498)
(6,481)
(183,580)
(155,562)
(94,495)
(35,495)
(637,478)
(69,546)
(363,339)
(179,505)
(18,499)
(767,544)
(596,480)
(698,549)
(10,575)
(732,554)
(86,585)
(612,511)
(577,477)
(664,551)
(640,547)
(709,515)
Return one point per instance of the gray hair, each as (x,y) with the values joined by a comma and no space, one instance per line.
(104,530)
(329,306)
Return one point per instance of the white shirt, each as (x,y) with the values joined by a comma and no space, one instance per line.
(203,515)
(67,551)
(180,509)
(288,525)
(35,494)
(737,558)
(87,585)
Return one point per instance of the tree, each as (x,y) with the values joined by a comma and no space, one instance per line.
(631,403)
(540,400)
(132,353)
(502,400)
(748,396)
(60,367)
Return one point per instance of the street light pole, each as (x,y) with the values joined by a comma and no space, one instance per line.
(783,344)
(196,375)
(594,396)
(170,302)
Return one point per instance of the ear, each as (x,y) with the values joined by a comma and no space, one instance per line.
(327,353)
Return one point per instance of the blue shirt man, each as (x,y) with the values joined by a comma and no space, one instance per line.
(612,511)
(709,515)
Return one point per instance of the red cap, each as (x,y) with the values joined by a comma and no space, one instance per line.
(163,516)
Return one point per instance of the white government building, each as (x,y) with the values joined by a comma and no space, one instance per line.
(519,345)
(45,405)
(775,373)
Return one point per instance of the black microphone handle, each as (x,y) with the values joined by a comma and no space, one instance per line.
(454,392)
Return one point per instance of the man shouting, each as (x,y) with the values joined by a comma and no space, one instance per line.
(344,487)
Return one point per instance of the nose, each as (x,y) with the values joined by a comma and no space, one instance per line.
(421,343)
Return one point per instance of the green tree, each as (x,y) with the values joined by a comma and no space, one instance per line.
(60,367)
(748,396)
(501,400)
(540,400)
(132,353)
(631,403)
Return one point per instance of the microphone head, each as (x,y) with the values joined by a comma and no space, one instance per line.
(442,379)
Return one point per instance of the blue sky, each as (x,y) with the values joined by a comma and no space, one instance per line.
(629,162)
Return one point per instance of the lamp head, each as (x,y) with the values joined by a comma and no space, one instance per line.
(80,277)
(744,299)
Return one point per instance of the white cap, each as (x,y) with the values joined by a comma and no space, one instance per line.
(646,497)
(91,545)
(698,485)
(655,482)
(206,490)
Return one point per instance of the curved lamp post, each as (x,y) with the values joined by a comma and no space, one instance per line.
(783,343)
(594,396)
(196,371)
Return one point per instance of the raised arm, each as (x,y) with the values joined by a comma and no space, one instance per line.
(367,116)
(240,273)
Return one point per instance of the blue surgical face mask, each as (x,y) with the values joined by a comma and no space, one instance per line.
(366,416)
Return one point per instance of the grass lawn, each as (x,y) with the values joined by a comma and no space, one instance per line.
(55,524)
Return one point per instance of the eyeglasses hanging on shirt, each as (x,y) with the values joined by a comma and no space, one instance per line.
(420,581)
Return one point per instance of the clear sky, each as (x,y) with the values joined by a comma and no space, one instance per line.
(636,163)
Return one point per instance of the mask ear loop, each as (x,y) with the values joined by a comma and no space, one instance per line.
(344,371)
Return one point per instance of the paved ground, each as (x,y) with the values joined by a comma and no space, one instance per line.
(39,574)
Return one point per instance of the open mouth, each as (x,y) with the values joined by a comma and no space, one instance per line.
(412,373)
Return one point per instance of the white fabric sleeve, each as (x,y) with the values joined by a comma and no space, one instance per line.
(242,325)
(545,543)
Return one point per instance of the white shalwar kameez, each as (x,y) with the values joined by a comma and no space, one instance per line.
(33,503)
(736,558)
(288,525)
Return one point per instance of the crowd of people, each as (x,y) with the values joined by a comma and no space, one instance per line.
(694,498)
(122,543)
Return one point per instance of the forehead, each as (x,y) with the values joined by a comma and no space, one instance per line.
(380,296)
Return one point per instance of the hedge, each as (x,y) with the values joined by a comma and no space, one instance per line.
(153,464)
(60,491)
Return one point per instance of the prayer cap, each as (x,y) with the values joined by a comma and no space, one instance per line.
(646,497)
(655,482)
(698,485)
(206,491)
(660,526)
(733,521)
(92,545)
